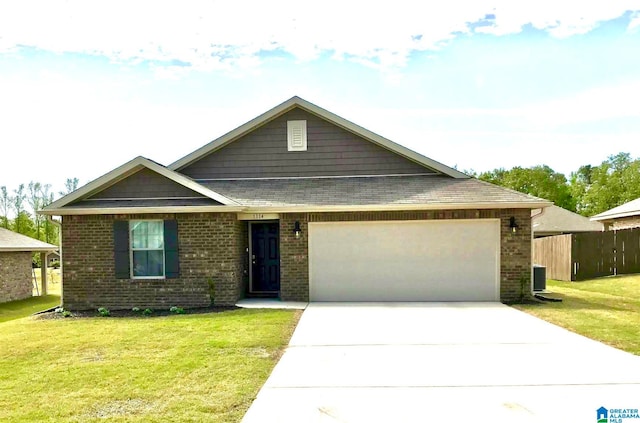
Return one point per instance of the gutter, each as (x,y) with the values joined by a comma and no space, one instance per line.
(296,209)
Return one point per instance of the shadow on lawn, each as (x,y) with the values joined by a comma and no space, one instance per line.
(570,303)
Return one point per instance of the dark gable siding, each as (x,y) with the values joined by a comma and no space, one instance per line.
(331,151)
(146,184)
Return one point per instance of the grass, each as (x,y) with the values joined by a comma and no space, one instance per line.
(605,309)
(23,308)
(186,368)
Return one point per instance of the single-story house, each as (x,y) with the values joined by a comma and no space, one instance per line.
(16,275)
(626,216)
(299,204)
(555,220)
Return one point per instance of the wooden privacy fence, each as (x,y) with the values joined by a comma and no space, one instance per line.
(576,257)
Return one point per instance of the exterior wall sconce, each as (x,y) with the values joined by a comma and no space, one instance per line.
(296,229)
(512,224)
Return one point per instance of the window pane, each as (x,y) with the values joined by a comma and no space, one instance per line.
(139,234)
(145,234)
(148,263)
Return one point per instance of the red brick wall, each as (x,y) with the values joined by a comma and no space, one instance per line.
(16,280)
(209,244)
(515,259)
(214,246)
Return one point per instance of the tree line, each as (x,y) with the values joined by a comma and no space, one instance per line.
(18,209)
(588,191)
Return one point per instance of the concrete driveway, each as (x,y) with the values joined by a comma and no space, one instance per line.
(408,362)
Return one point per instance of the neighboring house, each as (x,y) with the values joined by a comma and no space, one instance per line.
(626,216)
(16,275)
(299,204)
(555,220)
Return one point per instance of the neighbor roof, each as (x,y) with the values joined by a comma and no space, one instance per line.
(324,114)
(632,208)
(12,241)
(384,192)
(555,219)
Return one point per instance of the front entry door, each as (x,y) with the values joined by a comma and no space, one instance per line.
(265,258)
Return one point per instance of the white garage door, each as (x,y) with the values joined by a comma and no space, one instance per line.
(436,260)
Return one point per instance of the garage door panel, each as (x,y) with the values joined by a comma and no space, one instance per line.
(453,260)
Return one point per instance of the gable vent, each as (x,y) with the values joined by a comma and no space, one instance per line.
(297,135)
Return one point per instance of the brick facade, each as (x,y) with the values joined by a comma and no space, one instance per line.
(209,248)
(515,257)
(16,280)
(214,246)
(624,223)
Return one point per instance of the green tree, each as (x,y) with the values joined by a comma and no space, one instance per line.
(5,203)
(614,182)
(18,208)
(70,185)
(34,199)
(539,181)
(50,230)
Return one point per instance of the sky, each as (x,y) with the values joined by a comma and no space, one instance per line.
(474,84)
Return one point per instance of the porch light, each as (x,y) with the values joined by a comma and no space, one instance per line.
(512,224)
(296,229)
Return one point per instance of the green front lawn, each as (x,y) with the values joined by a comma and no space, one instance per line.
(605,309)
(23,308)
(179,368)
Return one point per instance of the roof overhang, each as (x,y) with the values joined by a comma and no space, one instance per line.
(292,209)
(70,211)
(600,217)
(123,172)
(27,249)
(324,114)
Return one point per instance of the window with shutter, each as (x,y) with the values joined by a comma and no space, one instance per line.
(146,249)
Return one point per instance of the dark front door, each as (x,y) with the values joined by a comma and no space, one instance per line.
(265,258)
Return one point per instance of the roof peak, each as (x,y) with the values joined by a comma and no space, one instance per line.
(297,101)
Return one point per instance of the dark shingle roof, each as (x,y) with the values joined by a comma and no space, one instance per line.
(388,190)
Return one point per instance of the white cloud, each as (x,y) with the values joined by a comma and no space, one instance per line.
(224,35)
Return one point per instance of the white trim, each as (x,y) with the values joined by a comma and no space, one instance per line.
(599,217)
(144,198)
(324,114)
(249,234)
(164,264)
(137,210)
(317,177)
(129,169)
(296,209)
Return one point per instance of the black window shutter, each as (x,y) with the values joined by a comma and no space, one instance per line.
(171,256)
(121,248)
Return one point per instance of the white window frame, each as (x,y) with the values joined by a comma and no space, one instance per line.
(131,250)
(292,126)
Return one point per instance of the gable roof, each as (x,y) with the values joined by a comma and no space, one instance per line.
(13,242)
(294,102)
(126,170)
(555,219)
(632,208)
